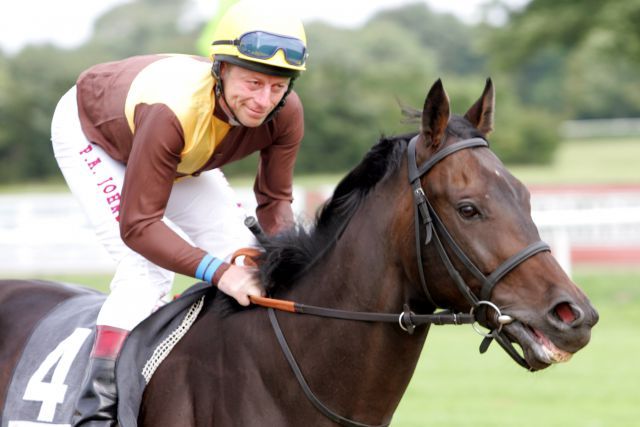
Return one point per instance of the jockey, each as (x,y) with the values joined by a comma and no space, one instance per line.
(140,143)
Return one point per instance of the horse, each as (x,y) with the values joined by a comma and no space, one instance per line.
(430,228)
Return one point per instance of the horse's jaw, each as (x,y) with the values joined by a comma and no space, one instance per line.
(539,351)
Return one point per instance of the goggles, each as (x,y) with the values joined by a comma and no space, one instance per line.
(263,45)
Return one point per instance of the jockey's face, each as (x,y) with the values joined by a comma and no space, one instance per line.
(251,95)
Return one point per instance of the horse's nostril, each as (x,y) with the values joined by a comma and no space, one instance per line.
(568,313)
(565,313)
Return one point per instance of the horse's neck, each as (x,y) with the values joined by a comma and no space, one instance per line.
(364,270)
(370,363)
(357,273)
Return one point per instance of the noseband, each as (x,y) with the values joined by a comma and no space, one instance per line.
(434,230)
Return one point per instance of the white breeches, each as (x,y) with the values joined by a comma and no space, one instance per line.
(204,210)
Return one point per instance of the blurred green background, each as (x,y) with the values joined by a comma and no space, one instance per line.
(552,62)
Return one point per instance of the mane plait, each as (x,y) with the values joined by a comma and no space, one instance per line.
(288,255)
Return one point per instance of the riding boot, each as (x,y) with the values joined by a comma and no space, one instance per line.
(97,402)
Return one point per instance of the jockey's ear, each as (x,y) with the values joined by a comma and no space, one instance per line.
(435,114)
(482,112)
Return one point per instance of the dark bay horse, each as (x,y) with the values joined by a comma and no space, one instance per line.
(425,221)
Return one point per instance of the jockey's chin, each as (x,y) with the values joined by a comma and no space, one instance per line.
(252,117)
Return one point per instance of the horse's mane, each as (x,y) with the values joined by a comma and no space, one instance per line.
(289,254)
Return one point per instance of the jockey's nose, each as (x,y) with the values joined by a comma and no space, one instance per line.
(264,96)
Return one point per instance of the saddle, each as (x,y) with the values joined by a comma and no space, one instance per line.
(46,381)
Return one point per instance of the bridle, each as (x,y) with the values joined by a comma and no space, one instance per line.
(425,218)
(434,229)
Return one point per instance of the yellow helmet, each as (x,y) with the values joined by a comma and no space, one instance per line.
(261,38)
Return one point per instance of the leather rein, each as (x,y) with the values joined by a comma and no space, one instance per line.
(425,218)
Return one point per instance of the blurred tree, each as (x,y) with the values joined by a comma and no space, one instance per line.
(577,59)
(569,24)
(5,83)
(350,96)
(452,41)
(32,82)
(597,88)
(351,90)
(523,134)
(143,27)
(35,79)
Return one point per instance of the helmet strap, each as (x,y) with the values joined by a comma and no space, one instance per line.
(282,101)
(219,91)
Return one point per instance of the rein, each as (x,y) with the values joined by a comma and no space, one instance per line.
(425,218)
(407,321)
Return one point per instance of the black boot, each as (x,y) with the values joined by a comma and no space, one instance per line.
(98,402)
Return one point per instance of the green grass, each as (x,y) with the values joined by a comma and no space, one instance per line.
(591,161)
(588,161)
(96,281)
(454,385)
(579,161)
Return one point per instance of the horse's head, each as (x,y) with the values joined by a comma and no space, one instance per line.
(486,211)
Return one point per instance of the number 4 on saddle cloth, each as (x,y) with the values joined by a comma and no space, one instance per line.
(47,379)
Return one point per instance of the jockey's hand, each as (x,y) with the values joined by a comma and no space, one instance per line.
(239,282)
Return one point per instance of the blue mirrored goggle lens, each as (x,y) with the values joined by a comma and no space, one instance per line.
(261,45)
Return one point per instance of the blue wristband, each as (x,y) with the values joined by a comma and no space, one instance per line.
(207,267)
(211,270)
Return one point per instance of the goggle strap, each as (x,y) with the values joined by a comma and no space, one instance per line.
(232,42)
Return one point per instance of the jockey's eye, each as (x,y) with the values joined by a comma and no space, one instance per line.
(468,211)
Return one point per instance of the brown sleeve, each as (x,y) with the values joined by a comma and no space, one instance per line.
(273,186)
(151,169)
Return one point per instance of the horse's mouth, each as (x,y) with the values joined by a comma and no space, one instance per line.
(539,351)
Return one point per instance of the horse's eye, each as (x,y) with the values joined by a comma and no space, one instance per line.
(468,211)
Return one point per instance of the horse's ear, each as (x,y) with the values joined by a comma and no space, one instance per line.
(435,114)
(481,113)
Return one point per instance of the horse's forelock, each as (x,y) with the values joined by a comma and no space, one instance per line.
(461,128)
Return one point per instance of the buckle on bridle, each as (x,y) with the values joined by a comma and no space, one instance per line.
(502,319)
(421,203)
(405,321)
